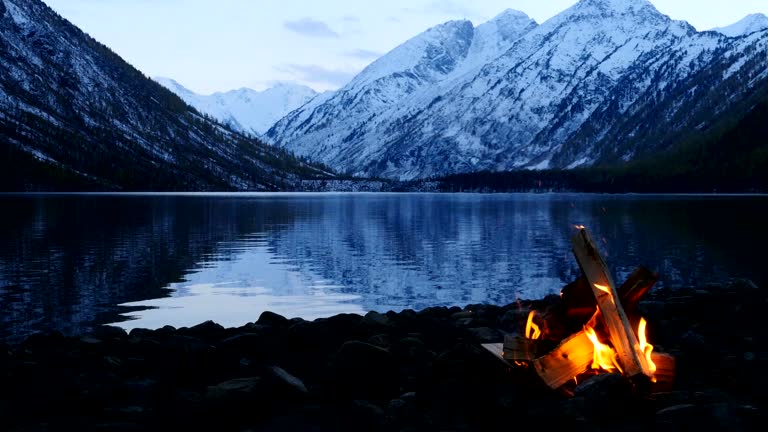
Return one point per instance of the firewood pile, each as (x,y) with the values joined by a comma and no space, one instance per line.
(596,328)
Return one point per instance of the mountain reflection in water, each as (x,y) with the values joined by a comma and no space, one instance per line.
(69,262)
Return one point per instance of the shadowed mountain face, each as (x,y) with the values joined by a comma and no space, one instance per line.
(604,81)
(75,115)
(67,262)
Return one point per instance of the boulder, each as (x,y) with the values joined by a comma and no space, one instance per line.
(209,331)
(484,335)
(235,391)
(381,340)
(106,332)
(273,319)
(140,333)
(284,387)
(377,323)
(365,371)
(606,395)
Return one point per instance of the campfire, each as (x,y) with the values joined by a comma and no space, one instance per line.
(596,328)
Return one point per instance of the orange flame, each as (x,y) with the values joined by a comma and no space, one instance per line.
(532,331)
(646,348)
(603,288)
(604,357)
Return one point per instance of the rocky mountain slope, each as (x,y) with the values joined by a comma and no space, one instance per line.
(246,110)
(74,115)
(604,81)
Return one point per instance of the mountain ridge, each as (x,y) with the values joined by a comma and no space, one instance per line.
(554,97)
(245,109)
(75,116)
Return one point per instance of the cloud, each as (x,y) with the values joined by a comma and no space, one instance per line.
(311,28)
(451,7)
(350,19)
(318,74)
(363,54)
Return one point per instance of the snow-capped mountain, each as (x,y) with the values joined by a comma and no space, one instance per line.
(75,115)
(604,80)
(750,24)
(342,128)
(246,110)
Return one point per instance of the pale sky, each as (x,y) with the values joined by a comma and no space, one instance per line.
(219,45)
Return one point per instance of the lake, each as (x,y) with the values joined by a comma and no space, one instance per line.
(70,262)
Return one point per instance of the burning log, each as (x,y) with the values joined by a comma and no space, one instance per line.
(591,309)
(630,357)
(580,303)
(520,349)
(571,358)
(665,371)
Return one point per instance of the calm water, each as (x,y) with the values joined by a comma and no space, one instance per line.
(71,262)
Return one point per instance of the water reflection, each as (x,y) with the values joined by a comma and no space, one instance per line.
(67,262)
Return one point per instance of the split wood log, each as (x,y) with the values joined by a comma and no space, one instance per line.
(580,303)
(520,349)
(571,358)
(622,337)
(665,371)
(497,349)
(636,287)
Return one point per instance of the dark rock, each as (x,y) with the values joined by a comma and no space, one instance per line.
(437,312)
(285,386)
(514,320)
(187,348)
(273,319)
(208,330)
(463,315)
(668,399)
(484,335)
(89,340)
(366,413)
(106,332)
(676,413)
(606,395)
(165,331)
(261,346)
(139,391)
(235,391)
(411,350)
(110,362)
(744,286)
(381,340)
(376,322)
(365,371)
(140,333)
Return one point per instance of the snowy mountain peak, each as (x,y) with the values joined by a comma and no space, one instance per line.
(604,8)
(246,109)
(433,53)
(510,23)
(616,5)
(750,24)
(174,86)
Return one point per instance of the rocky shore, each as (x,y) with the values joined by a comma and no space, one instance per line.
(396,371)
